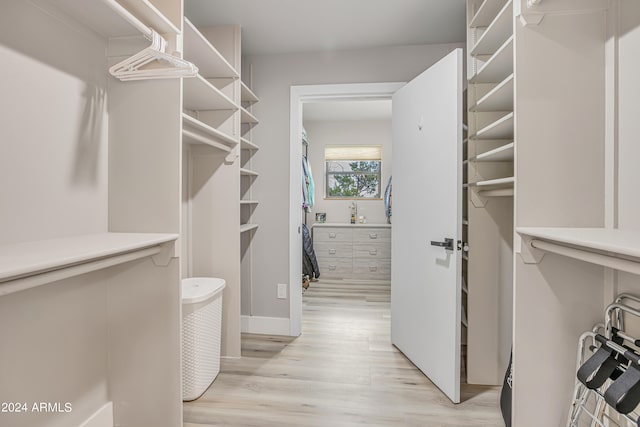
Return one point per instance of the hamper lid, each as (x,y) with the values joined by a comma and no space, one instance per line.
(198,289)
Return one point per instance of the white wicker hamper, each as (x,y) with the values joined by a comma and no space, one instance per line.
(201,332)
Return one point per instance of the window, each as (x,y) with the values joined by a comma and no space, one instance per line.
(353,171)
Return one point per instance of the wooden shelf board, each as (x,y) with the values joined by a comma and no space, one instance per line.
(246,94)
(197,49)
(500,29)
(504,153)
(613,241)
(248,172)
(500,129)
(499,98)
(247,117)
(486,13)
(197,132)
(200,95)
(248,227)
(498,67)
(248,145)
(24,260)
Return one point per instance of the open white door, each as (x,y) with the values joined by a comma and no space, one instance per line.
(427,209)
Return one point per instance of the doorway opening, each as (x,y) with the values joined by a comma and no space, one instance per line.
(321,96)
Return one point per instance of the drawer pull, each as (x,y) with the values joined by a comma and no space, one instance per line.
(373,235)
(373,268)
(373,251)
(332,251)
(332,266)
(332,235)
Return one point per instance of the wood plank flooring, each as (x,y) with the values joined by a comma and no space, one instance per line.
(342,371)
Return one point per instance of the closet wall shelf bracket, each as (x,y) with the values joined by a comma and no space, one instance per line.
(165,255)
(531,19)
(529,253)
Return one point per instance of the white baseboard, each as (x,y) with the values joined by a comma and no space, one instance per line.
(265,325)
(103,417)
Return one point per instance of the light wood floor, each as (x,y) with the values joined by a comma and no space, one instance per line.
(342,371)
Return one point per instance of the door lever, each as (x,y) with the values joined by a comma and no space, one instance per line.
(447,244)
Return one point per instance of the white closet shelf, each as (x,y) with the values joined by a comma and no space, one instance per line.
(486,13)
(111,19)
(465,221)
(249,202)
(200,95)
(196,132)
(500,154)
(248,227)
(614,248)
(150,15)
(30,264)
(500,98)
(246,117)
(246,94)
(500,129)
(498,182)
(200,51)
(248,145)
(247,172)
(500,29)
(498,67)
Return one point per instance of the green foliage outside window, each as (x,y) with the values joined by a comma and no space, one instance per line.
(353,179)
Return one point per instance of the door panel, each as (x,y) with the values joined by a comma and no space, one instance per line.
(427,206)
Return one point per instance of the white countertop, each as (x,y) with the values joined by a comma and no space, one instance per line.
(342,224)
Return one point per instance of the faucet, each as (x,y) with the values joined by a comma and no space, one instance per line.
(354,212)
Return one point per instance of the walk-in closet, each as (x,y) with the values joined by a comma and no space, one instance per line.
(145,142)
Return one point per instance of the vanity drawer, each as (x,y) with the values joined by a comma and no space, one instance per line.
(326,234)
(333,249)
(372,250)
(372,235)
(372,269)
(335,267)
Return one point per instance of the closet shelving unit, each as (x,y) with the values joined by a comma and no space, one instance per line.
(92,251)
(247,205)
(570,221)
(210,170)
(490,183)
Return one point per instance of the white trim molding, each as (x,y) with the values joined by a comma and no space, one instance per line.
(265,325)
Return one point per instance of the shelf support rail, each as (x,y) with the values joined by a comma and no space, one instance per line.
(533,250)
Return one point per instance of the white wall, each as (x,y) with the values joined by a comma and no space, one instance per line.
(273,76)
(53,128)
(347,132)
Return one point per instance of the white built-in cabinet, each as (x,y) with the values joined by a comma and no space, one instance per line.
(113,191)
(552,197)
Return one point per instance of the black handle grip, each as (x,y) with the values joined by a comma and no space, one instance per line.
(447,244)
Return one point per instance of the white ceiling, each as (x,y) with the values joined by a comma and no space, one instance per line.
(379,109)
(287,26)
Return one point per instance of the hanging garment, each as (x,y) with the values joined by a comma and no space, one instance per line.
(309,261)
(308,186)
(387,201)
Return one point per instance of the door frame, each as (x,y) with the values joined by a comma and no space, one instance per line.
(300,95)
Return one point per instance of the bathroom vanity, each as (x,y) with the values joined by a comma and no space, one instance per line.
(353,251)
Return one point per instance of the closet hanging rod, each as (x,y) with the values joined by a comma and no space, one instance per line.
(586,255)
(130,18)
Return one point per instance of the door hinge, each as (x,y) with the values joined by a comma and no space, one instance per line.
(463,246)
